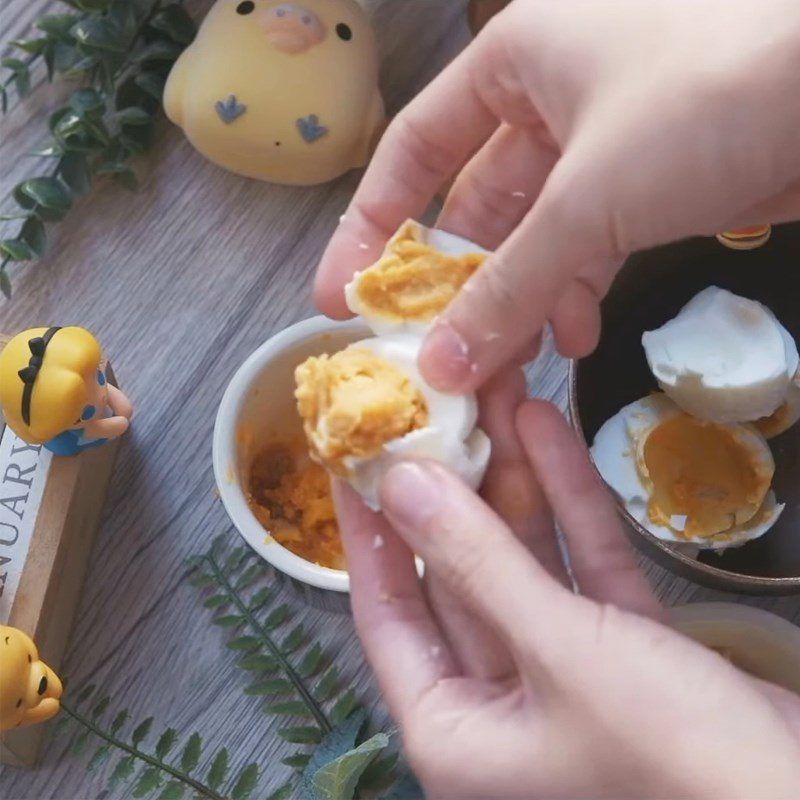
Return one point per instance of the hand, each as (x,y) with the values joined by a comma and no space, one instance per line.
(507,684)
(581,131)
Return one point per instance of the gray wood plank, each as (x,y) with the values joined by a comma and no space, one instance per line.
(181,281)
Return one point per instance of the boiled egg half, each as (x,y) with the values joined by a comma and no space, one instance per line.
(367,406)
(685,479)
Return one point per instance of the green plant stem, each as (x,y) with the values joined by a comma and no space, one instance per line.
(203,790)
(312,705)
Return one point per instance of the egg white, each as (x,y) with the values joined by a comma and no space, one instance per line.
(451,436)
(618,447)
(447,243)
(724,358)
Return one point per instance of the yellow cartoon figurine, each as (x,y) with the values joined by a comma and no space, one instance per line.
(29,689)
(54,392)
(284,92)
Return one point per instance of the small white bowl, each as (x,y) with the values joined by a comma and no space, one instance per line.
(759,642)
(258,409)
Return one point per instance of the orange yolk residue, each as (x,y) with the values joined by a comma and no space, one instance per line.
(413,281)
(291,497)
(775,424)
(700,471)
(352,403)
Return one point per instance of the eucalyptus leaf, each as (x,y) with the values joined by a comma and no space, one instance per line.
(5,284)
(16,250)
(99,33)
(152,83)
(245,783)
(74,171)
(218,769)
(22,81)
(176,23)
(57,25)
(132,115)
(338,779)
(159,50)
(33,234)
(52,150)
(33,46)
(87,101)
(47,192)
(191,752)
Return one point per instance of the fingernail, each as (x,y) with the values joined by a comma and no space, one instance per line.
(445,360)
(410,495)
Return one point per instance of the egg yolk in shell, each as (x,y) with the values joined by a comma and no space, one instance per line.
(775,424)
(702,472)
(414,281)
(354,402)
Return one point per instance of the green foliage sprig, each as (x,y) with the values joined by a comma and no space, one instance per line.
(151,771)
(297,679)
(120,52)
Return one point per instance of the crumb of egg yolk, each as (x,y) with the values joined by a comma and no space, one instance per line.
(354,402)
(702,472)
(775,424)
(414,281)
(291,497)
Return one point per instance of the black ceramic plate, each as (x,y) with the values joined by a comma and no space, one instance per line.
(650,289)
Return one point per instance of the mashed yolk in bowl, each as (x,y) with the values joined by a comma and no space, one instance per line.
(702,472)
(352,403)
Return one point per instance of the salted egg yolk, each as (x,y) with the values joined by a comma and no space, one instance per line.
(354,402)
(700,471)
(414,281)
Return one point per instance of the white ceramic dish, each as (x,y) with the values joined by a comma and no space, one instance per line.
(258,408)
(759,642)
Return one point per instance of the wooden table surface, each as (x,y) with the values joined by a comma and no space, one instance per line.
(181,281)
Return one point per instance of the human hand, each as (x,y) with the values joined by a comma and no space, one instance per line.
(581,131)
(507,684)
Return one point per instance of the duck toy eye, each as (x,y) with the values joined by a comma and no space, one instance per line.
(344,32)
(245,8)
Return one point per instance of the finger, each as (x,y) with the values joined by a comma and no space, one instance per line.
(600,556)
(476,556)
(400,637)
(513,293)
(496,188)
(509,486)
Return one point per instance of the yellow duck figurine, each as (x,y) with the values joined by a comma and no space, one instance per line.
(283,92)
(29,690)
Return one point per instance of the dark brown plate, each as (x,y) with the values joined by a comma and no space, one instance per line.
(650,289)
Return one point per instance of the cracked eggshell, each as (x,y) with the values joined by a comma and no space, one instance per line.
(724,358)
(617,452)
(447,243)
(451,437)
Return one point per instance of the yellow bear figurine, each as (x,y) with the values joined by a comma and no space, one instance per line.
(283,92)
(29,689)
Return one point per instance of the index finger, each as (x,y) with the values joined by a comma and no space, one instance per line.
(425,144)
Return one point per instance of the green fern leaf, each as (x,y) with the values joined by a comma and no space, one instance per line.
(280,615)
(234,560)
(118,722)
(218,769)
(99,758)
(100,707)
(243,643)
(140,731)
(294,639)
(201,580)
(302,735)
(248,576)
(312,662)
(148,782)
(193,562)
(228,621)
(259,663)
(172,791)
(260,599)
(85,693)
(380,773)
(284,793)
(166,742)
(217,601)
(191,752)
(327,685)
(78,744)
(294,708)
(247,781)
(123,770)
(274,686)
(297,761)
(343,707)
